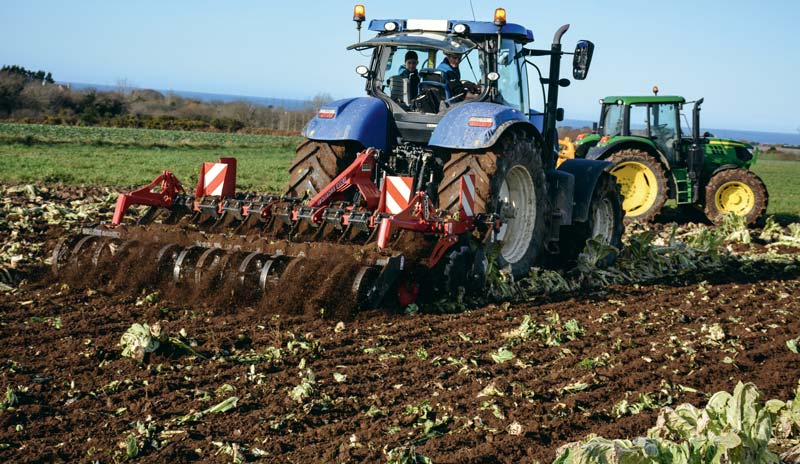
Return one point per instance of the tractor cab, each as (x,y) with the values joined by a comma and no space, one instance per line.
(422,69)
(654,118)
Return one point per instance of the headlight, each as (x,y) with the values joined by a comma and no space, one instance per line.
(460,28)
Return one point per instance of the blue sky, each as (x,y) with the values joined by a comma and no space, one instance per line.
(741,55)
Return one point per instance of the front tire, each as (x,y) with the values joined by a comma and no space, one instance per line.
(643,184)
(605,221)
(509,182)
(315,165)
(735,191)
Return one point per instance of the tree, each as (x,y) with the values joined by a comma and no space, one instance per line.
(319,100)
(11,86)
(29,75)
(125,87)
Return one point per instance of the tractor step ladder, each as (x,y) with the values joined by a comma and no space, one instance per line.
(683,186)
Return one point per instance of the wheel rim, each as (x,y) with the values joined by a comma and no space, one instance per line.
(638,186)
(735,197)
(518,210)
(604,221)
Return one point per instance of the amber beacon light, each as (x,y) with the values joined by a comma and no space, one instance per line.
(500,17)
(359,13)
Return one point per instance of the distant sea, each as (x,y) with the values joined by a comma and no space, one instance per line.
(769,138)
(288,103)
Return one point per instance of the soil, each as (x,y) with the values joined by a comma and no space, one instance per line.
(426,381)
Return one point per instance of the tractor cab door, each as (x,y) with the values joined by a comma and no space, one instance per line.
(664,129)
(513,81)
(611,120)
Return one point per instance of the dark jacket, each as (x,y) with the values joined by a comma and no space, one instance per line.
(452,79)
(413,81)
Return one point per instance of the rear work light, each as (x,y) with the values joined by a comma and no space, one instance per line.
(480,122)
(326,114)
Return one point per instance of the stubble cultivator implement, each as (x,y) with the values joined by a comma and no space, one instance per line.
(408,192)
(259,238)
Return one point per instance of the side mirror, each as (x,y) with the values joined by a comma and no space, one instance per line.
(582,59)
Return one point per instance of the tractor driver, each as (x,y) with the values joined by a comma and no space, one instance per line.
(460,90)
(409,70)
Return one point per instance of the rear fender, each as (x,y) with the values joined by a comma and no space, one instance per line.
(454,131)
(364,120)
(586,172)
(724,167)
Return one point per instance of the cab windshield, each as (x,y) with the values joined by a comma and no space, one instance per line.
(426,72)
(612,120)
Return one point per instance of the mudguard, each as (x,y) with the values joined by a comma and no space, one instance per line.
(599,153)
(363,119)
(454,131)
(724,167)
(586,173)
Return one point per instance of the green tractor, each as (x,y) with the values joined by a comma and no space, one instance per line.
(655,161)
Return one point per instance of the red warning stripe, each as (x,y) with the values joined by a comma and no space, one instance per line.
(467,194)
(398,193)
(214,178)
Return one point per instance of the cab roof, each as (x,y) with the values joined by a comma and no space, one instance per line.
(634,100)
(474,28)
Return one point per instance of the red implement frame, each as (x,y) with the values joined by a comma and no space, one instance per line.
(169,185)
(418,214)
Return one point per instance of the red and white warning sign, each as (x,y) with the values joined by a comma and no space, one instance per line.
(396,194)
(217,179)
(467,194)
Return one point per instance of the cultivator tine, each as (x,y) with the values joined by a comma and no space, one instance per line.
(187,259)
(258,269)
(104,250)
(363,283)
(208,263)
(81,246)
(61,254)
(253,270)
(166,257)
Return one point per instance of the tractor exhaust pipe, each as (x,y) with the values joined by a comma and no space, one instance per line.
(696,152)
(696,120)
(550,136)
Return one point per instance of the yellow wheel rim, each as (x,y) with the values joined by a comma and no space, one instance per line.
(735,197)
(638,186)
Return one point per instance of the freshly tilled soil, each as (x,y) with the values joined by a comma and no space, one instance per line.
(422,380)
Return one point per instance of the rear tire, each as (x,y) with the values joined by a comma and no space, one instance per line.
(735,191)
(509,182)
(605,220)
(315,165)
(643,184)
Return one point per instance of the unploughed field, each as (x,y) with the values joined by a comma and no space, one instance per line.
(504,382)
(125,158)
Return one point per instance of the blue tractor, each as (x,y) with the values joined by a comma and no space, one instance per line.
(449,177)
(435,127)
